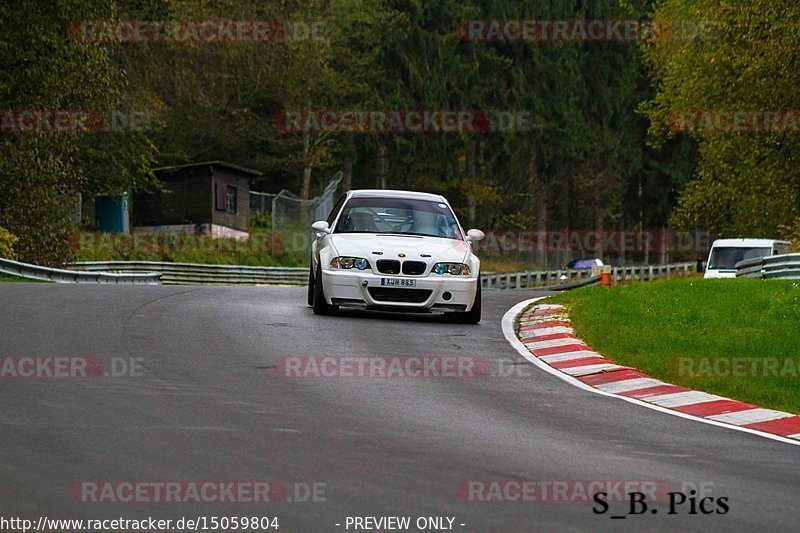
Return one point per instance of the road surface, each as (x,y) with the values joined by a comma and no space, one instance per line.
(208,404)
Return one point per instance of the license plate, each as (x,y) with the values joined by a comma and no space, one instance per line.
(398,282)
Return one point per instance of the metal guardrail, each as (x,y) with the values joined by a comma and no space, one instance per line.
(154,272)
(570,279)
(57,275)
(786,266)
(203,274)
(531,278)
(652,272)
(585,282)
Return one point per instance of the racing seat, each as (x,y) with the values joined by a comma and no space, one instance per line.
(425,223)
(363,222)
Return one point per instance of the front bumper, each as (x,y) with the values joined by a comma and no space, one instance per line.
(431,293)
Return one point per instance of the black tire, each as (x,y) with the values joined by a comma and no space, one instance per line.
(473,316)
(321,307)
(311,284)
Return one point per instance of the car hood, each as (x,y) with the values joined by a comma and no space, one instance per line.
(364,244)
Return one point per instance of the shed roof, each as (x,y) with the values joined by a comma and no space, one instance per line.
(222,164)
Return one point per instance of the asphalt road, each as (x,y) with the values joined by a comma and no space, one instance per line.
(210,406)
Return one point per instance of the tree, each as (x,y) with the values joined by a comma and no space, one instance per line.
(740,56)
(40,171)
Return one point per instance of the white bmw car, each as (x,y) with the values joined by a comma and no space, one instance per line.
(395,250)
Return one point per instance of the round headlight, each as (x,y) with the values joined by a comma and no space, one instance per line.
(361,264)
(346,262)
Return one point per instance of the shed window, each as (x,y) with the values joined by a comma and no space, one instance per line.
(230,199)
(225,197)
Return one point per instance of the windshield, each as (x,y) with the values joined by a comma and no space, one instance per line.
(398,216)
(725,258)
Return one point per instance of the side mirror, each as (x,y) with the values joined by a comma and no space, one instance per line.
(321,226)
(475,235)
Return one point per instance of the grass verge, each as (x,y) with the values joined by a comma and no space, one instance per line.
(181,248)
(734,338)
(8,277)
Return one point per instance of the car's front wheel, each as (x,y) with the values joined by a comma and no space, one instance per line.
(321,307)
(473,316)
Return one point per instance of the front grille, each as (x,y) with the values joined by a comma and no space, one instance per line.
(412,296)
(388,266)
(414,268)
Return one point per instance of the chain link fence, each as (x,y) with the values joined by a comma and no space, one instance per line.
(290,217)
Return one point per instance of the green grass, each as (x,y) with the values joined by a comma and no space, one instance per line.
(7,277)
(291,251)
(655,326)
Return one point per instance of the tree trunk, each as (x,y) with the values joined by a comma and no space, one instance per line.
(347,167)
(308,158)
(538,204)
(472,173)
(382,166)
(598,229)
(306,192)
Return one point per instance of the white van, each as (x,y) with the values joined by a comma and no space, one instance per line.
(725,253)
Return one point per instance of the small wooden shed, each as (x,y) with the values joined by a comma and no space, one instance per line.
(210,198)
